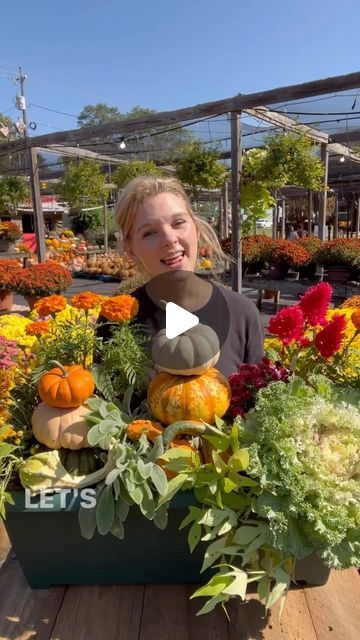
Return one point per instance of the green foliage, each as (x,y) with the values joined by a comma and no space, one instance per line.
(256,200)
(199,167)
(127,171)
(8,464)
(126,358)
(95,115)
(134,480)
(13,191)
(286,159)
(81,186)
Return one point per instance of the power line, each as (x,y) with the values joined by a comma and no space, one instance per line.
(38,106)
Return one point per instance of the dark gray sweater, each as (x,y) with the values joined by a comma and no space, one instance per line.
(234,318)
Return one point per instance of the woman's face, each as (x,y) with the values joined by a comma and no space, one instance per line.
(163,235)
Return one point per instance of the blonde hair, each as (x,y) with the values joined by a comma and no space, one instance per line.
(143,187)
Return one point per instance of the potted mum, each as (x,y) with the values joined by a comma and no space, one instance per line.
(285,254)
(42,280)
(8,270)
(340,258)
(9,232)
(256,252)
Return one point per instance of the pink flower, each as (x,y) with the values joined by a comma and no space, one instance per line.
(328,341)
(288,324)
(315,303)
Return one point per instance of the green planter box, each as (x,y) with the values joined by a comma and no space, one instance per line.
(51,550)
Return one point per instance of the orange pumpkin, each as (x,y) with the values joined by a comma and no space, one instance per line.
(151,429)
(172,398)
(66,387)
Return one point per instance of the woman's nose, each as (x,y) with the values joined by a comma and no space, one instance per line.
(169,236)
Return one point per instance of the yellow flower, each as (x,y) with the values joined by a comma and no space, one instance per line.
(6,432)
(355,318)
(13,327)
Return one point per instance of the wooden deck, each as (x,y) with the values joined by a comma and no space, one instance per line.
(153,612)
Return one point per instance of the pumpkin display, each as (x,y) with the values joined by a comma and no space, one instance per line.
(135,429)
(190,353)
(66,387)
(172,398)
(57,428)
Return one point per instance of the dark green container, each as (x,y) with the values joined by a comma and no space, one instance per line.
(51,550)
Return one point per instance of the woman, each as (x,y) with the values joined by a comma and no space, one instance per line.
(161,234)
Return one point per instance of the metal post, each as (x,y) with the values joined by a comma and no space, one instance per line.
(105,223)
(323,194)
(236,268)
(283,217)
(358,217)
(310,212)
(336,218)
(37,207)
(226,209)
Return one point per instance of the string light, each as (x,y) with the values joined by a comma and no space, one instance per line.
(122,144)
(342,158)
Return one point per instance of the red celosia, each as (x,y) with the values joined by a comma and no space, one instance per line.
(328,341)
(315,303)
(288,324)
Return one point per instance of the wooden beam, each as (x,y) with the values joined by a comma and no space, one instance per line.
(76,152)
(166,118)
(343,150)
(37,207)
(236,268)
(226,209)
(282,121)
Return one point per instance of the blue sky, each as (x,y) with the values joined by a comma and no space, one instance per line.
(167,55)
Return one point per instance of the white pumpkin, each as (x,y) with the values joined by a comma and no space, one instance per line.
(58,428)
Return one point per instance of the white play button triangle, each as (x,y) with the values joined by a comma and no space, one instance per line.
(178,320)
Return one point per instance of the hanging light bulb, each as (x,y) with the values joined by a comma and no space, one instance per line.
(342,158)
(122,144)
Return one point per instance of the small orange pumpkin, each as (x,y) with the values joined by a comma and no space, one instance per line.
(151,429)
(66,387)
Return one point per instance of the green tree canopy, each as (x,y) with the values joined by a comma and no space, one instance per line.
(199,167)
(162,147)
(13,191)
(129,170)
(83,186)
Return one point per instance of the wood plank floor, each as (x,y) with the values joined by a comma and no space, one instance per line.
(156,612)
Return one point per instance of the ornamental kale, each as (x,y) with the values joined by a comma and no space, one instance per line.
(304,446)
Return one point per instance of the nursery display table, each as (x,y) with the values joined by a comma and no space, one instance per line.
(15,254)
(295,287)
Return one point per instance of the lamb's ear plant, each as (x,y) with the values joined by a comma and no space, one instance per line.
(134,479)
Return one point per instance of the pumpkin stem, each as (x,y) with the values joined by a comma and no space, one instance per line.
(57,364)
(189,427)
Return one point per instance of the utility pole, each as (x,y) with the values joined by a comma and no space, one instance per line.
(32,158)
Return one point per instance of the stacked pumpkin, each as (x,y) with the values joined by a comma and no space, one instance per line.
(188,386)
(59,420)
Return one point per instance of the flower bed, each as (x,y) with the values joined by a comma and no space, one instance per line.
(271,455)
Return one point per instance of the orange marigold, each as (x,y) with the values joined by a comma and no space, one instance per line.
(38,328)
(354,301)
(50,304)
(86,300)
(137,427)
(120,308)
(355,318)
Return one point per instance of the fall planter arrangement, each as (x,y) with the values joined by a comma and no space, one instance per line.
(208,479)
(8,270)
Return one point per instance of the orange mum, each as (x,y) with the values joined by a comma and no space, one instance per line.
(355,319)
(120,308)
(50,305)
(38,328)
(86,300)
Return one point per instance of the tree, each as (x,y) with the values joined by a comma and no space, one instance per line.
(161,147)
(83,186)
(13,191)
(129,170)
(199,167)
(98,114)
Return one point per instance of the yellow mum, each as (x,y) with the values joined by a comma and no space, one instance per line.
(13,327)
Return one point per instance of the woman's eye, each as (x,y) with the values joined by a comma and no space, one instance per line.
(148,233)
(178,223)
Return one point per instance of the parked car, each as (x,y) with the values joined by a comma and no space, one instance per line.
(264,223)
